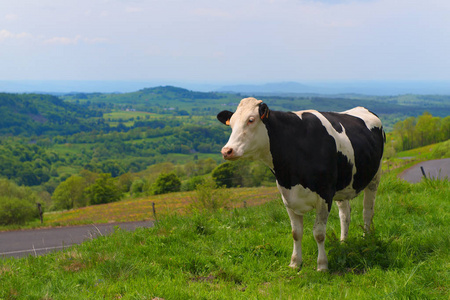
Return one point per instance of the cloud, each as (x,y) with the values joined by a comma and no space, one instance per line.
(11,17)
(5,35)
(73,40)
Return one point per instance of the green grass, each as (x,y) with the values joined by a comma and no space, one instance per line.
(139,209)
(244,254)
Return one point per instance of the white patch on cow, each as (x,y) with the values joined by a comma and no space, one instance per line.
(345,194)
(362,113)
(299,199)
(249,139)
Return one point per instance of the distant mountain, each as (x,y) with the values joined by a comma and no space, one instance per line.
(175,93)
(271,88)
(378,88)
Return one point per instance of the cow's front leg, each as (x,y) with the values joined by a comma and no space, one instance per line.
(320,233)
(297,235)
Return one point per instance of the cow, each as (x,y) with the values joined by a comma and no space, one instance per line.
(316,157)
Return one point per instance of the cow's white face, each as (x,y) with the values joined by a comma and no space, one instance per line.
(249,138)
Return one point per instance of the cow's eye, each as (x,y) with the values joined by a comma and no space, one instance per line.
(251,120)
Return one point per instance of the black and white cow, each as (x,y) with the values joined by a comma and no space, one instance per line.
(317,157)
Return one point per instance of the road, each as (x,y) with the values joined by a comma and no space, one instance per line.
(438,168)
(41,241)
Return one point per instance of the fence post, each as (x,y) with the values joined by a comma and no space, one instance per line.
(154,211)
(423,172)
(41,213)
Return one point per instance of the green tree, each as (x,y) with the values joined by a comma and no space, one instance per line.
(17,204)
(224,174)
(70,193)
(427,129)
(166,183)
(104,190)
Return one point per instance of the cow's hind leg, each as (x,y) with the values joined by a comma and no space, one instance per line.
(320,233)
(344,215)
(369,201)
(297,235)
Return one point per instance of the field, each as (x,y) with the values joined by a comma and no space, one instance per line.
(243,253)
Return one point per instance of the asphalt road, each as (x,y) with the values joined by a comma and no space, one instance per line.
(438,168)
(41,241)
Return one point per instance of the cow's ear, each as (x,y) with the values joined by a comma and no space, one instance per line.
(264,111)
(224,117)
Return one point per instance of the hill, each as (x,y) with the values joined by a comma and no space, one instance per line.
(161,99)
(169,99)
(35,114)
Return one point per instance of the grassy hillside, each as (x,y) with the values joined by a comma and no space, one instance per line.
(244,254)
(29,114)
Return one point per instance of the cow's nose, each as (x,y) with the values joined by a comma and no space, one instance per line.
(227,152)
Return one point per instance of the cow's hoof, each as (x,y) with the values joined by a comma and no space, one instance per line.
(295,266)
(323,269)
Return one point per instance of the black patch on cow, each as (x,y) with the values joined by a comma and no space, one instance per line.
(334,120)
(303,153)
(368,154)
(367,145)
(344,171)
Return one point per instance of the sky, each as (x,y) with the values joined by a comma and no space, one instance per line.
(229,41)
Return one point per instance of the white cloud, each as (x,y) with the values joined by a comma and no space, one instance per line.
(73,40)
(63,40)
(5,35)
(11,17)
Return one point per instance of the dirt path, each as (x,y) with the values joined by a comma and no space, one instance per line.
(41,241)
(439,168)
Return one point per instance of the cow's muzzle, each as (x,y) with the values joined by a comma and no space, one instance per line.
(227,153)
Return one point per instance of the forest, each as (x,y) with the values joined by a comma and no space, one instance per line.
(81,149)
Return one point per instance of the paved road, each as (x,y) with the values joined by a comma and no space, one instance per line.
(41,241)
(438,168)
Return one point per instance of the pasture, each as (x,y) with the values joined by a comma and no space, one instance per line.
(243,253)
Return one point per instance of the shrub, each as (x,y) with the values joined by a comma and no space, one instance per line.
(137,187)
(224,174)
(70,193)
(192,183)
(104,190)
(17,204)
(16,211)
(166,183)
(210,197)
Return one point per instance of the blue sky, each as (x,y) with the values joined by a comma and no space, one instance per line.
(225,41)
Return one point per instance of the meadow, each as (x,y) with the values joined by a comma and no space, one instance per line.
(243,253)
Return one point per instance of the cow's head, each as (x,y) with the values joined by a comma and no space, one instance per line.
(249,138)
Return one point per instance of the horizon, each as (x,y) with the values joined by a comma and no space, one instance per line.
(363,87)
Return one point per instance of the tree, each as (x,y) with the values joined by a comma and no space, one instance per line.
(70,193)
(17,204)
(224,175)
(427,129)
(166,183)
(104,190)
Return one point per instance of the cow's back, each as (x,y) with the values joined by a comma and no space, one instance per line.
(365,133)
